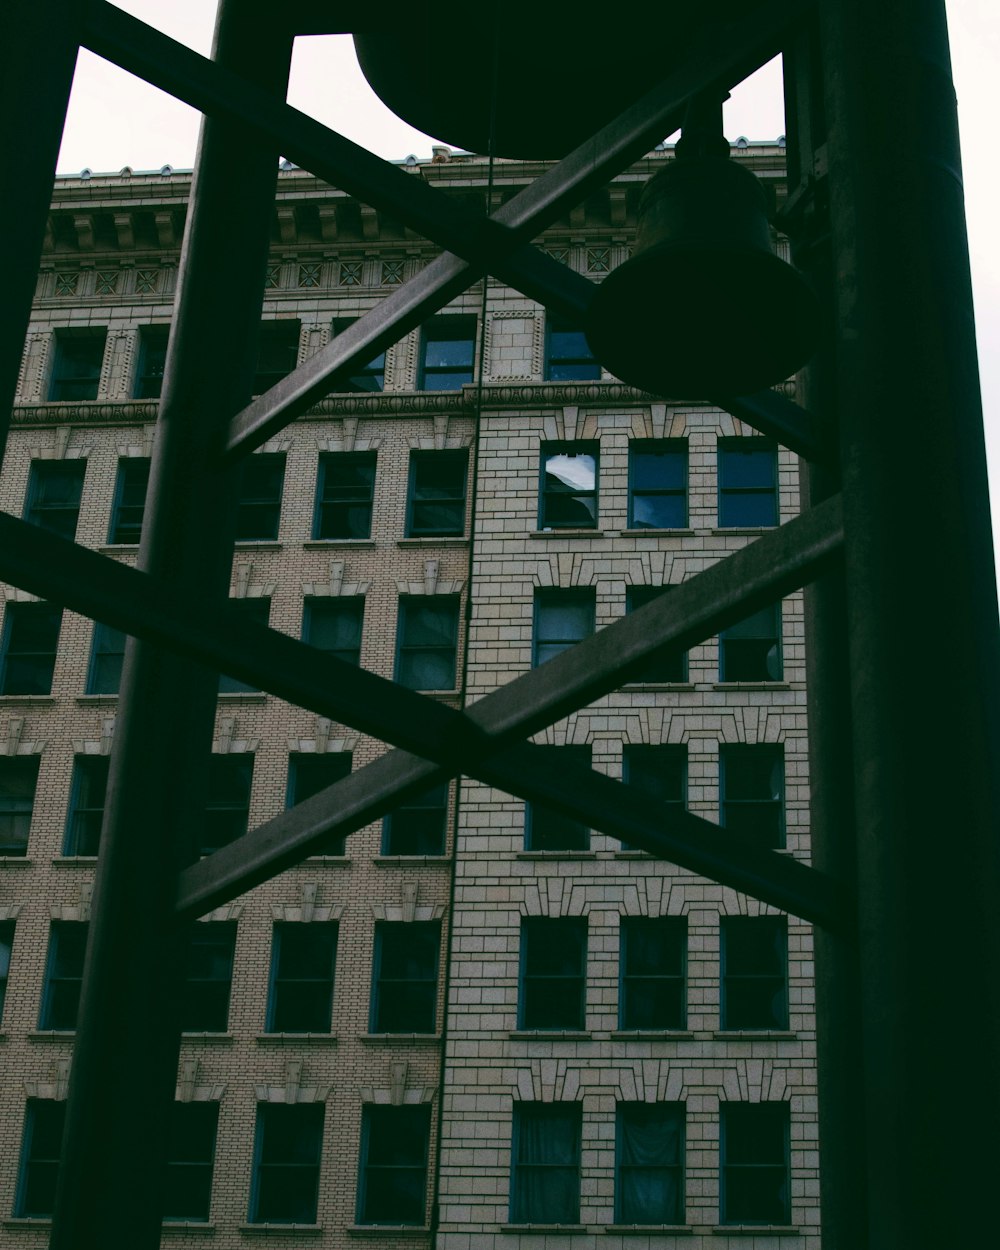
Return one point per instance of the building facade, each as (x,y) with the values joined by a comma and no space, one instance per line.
(477,1022)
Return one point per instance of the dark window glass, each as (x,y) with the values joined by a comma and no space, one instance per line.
(258,611)
(345,489)
(287,1148)
(334,625)
(190,1157)
(404,977)
(208,976)
(657,484)
(63,975)
(436,500)
(55,488)
(107,655)
(447,353)
(546,829)
(130,500)
(86,805)
(417,827)
(754,957)
(6,946)
(748,482)
(308,774)
(301,991)
(277,352)
(553,984)
(649,1158)
(227,810)
(568,492)
(30,640)
(659,770)
(392,1180)
(562,617)
(567,353)
(653,992)
(545,1163)
(753,1146)
(76,369)
(673,666)
(369,377)
(18,779)
(427,641)
(753,791)
(750,650)
(152,361)
(41,1146)
(259,504)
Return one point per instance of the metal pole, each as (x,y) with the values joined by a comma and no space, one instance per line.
(925,685)
(125,1062)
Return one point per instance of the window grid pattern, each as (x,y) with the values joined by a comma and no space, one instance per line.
(754,965)
(227,809)
(568,357)
(107,655)
(308,774)
(748,483)
(345,491)
(86,811)
(649,1179)
(287,1147)
(753,791)
(754,1163)
(405,976)
(208,977)
(368,377)
(427,641)
(41,1146)
(392,1179)
(334,625)
(653,989)
(303,958)
(277,352)
(18,782)
(546,828)
(750,650)
(447,353)
(63,976)
(6,947)
(568,488)
(258,508)
(55,488)
(657,484)
(30,641)
(553,980)
(418,826)
(76,368)
(190,1161)
(130,500)
(670,667)
(152,362)
(564,616)
(545,1163)
(436,497)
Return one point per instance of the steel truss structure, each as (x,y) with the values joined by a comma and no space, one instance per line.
(894,550)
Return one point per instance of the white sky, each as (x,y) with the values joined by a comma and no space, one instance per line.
(116,120)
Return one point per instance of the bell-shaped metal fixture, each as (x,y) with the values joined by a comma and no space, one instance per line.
(703,308)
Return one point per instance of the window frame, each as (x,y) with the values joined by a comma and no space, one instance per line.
(394,830)
(384,987)
(99,657)
(21,774)
(457,501)
(373,371)
(282,984)
(730,804)
(43,658)
(760,627)
(463,328)
(666,1111)
(299,787)
(674,930)
(729,928)
(729,494)
(549,599)
(666,447)
(80,387)
(568,366)
(522,1209)
(395,1120)
(153,341)
(314,607)
(128,533)
(261,489)
(87,769)
(363,497)
(547,830)
(23,1209)
(271,339)
(676,664)
(48,514)
(8,928)
(200,992)
(407,653)
(527,978)
(256,609)
(202,1167)
(216,783)
(312,1119)
(776,1111)
(548,496)
(70,934)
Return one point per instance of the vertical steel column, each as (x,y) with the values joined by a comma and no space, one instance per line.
(922,619)
(125,1062)
(39,44)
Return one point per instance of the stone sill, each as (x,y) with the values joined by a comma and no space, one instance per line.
(297,1039)
(15,861)
(555,855)
(74,861)
(659,685)
(242,696)
(258,544)
(86,700)
(282,1230)
(52,1035)
(28,700)
(755,1230)
(116,549)
(434,540)
(654,1230)
(188,1228)
(441,695)
(650,1035)
(745,529)
(387,1230)
(755,1035)
(399,1039)
(550,1230)
(567,533)
(734,686)
(550,1035)
(659,531)
(207,1039)
(410,861)
(329,861)
(321,544)
(26,1223)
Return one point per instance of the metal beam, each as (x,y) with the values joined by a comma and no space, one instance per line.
(784,420)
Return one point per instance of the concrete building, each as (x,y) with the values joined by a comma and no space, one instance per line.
(473,1025)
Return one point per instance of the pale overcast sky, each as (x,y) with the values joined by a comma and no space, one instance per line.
(116,120)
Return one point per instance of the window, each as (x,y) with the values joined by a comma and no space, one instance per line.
(256,610)
(417,827)
(545,1163)
(753,791)
(86,805)
(753,1146)
(334,625)
(345,489)
(6,945)
(653,990)
(546,829)
(152,361)
(563,617)
(277,353)
(427,641)
(748,482)
(130,500)
(18,779)
(76,368)
(41,1146)
(63,975)
(673,665)
(369,377)
(657,484)
(404,976)
(435,502)
(300,998)
(568,357)
(754,958)
(750,650)
(190,1158)
(568,492)
(54,491)
(107,655)
(447,353)
(259,505)
(28,656)
(649,1163)
(207,977)
(287,1148)
(553,981)
(227,810)
(659,770)
(392,1179)
(308,774)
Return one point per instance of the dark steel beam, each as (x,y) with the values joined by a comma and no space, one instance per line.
(784,420)
(127,1043)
